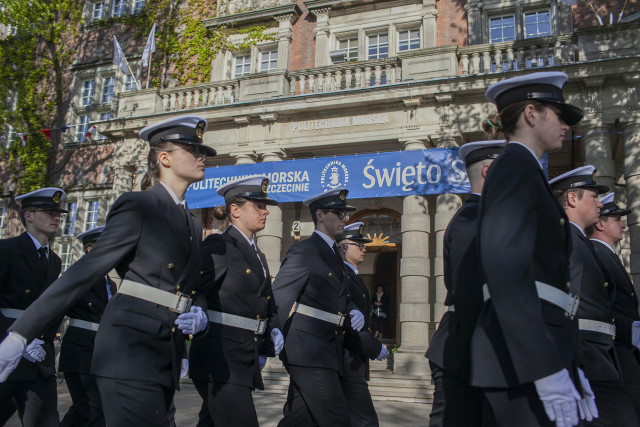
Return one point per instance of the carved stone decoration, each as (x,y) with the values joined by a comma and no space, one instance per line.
(446,113)
(591,95)
(232,7)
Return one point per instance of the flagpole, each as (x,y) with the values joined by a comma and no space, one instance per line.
(132,75)
(149,69)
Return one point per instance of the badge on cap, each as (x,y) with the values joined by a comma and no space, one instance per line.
(263,188)
(200,129)
(343,195)
(361,230)
(56,197)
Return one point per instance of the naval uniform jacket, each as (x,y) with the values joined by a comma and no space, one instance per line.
(77,344)
(450,345)
(359,346)
(523,237)
(233,282)
(313,274)
(625,311)
(22,281)
(596,303)
(150,240)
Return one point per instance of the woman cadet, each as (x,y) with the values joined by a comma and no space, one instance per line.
(523,349)
(154,244)
(243,330)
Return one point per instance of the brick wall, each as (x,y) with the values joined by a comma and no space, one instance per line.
(584,16)
(451,23)
(303,44)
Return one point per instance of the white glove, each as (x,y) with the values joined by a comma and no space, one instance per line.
(34,351)
(184,368)
(192,322)
(587,405)
(357,320)
(277,339)
(383,353)
(559,398)
(635,334)
(11,349)
(262,359)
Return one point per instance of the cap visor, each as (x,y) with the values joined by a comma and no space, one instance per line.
(267,200)
(571,114)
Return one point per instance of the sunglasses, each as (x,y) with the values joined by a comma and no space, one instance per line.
(339,214)
(196,151)
(52,213)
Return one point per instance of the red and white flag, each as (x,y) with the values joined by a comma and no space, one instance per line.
(92,130)
(23,138)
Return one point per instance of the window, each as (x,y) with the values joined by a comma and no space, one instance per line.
(408,40)
(107,89)
(378,46)
(118,8)
(268,60)
(87,93)
(130,83)
(351,46)
(81,128)
(98,11)
(3,215)
(104,116)
(64,252)
(537,24)
(69,223)
(91,215)
(241,65)
(502,29)
(137,6)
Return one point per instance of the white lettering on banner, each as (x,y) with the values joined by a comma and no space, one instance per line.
(291,181)
(341,122)
(462,175)
(406,176)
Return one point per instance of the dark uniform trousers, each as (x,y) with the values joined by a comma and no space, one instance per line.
(455,401)
(625,312)
(601,366)
(76,353)
(523,237)
(359,347)
(224,363)
(31,388)
(313,274)
(138,348)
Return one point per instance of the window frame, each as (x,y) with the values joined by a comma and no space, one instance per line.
(137,6)
(86,93)
(115,13)
(94,5)
(353,51)
(82,127)
(90,212)
(491,19)
(418,38)
(536,12)
(106,97)
(247,63)
(70,218)
(3,219)
(270,61)
(378,45)
(66,256)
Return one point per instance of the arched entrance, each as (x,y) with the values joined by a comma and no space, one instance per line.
(382,260)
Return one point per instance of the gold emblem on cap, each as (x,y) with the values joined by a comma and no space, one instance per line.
(263,188)
(56,197)
(343,194)
(361,230)
(200,130)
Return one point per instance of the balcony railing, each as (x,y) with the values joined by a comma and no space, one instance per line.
(202,95)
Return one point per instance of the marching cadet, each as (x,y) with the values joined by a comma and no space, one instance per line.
(523,350)
(77,346)
(311,293)
(577,193)
(359,346)
(243,329)
(604,235)
(154,244)
(27,267)
(455,402)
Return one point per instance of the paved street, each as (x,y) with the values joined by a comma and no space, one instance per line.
(269,407)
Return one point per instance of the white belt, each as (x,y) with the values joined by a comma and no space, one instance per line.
(177,302)
(451,308)
(595,326)
(336,319)
(83,324)
(12,313)
(256,325)
(569,303)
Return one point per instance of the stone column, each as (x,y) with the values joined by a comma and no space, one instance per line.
(270,239)
(429,24)
(284,40)
(597,152)
(632,177)
(414,283)
(322,39)
(474,22)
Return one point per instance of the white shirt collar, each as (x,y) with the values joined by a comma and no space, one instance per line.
(477,194)
(355,270)
(606,244)
(183,203)
(326,238)
(529,150)
(38,245)
(578,227)
(251,241)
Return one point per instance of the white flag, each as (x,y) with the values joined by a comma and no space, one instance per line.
(118,57)
(571,2)
(150,47)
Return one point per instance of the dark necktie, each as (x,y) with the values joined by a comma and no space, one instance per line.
(335,251)
(44,262)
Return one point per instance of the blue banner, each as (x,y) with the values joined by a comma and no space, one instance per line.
(399,173)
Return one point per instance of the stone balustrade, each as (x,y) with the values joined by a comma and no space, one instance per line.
(202,95)
(516,55)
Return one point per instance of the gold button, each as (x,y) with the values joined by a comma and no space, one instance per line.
(339,314)
(348,295)
(606,284)
(257,316)
(566,314)
(330,274)
(248,271)
(613,337)
(201,272)
(335,332)
(170,266)
(568,285)
(193,292)
(177,287)
(631,293)
(173,330)
(269,297)
(363,295)
(562,221)
(90,305)
(27,291)
(343,332)
(255,339)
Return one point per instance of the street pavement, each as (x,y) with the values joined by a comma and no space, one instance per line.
(269,408)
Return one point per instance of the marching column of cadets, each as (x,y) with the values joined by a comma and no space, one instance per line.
(542,326)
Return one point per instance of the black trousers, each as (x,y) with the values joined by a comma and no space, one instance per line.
(135,403)
(36,401)
(87,407)
(361,410)
(315,398)
(634,391)
(511,407)
(226,405)
(455,402)
(614,406)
